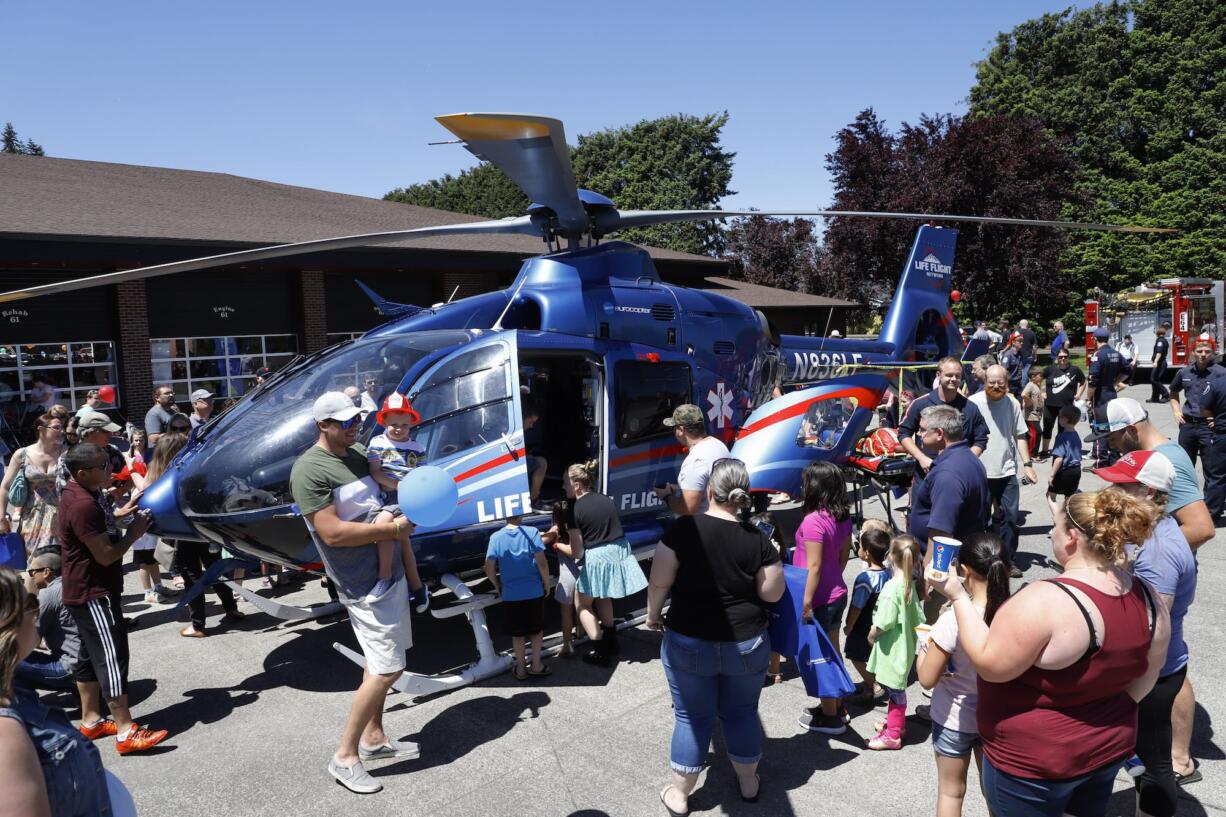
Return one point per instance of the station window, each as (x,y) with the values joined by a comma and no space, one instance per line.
(647,393)
(69,369)
(225,366)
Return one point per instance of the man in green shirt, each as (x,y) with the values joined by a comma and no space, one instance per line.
(334,491)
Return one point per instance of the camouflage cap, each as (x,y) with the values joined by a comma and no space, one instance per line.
(686,414)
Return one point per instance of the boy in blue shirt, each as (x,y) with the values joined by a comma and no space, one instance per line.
(515,564)
(1066,455)
(391,455)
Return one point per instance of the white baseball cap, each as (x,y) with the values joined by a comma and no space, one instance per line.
(1150,468)
(1121,413)
(334,405)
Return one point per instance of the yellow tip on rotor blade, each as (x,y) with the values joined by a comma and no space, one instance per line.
(19,295)
(475,127)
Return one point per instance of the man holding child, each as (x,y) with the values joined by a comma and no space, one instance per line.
(334,491)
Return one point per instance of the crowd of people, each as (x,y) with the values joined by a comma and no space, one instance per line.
(1095,657)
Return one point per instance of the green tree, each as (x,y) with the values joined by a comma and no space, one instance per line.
(483,190)
(671,163)
(9,143)
(1135,92)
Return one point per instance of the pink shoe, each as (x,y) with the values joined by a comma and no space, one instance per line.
(885,740)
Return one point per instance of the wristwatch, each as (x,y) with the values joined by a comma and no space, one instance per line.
(1028,464)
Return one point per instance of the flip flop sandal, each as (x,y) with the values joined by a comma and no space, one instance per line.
(544,670)
(1188,779)
(520,676)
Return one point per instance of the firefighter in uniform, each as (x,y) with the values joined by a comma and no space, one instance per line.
(1106,365)
(1193,380)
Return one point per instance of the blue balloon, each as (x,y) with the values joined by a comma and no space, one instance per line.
(428,496)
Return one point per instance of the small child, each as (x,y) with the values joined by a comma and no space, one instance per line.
(893,638)
(391,455)
(949,673)
(1032,404)
(515,564)
(1066,455)
(558,538)
(874,549)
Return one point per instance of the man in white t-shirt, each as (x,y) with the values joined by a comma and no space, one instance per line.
(689,496)
(1008,441)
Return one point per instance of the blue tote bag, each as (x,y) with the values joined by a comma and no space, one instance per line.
(820,665)
(13,551)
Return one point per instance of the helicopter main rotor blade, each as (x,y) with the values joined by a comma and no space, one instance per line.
(642,218)
(522,224)
(532,151)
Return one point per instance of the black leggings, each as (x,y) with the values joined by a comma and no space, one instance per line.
(1050,415)
(192,559)
(1156,790)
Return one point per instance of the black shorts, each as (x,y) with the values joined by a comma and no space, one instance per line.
(524,618)
(104,644)
(1066,481)
(144,557)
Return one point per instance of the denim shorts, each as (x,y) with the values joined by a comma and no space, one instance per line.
(1084,796)
(952,743)
(830,616)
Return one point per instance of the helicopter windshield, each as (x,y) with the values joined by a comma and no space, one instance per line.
(245,463)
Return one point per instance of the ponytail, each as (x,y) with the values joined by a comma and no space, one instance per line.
(904,555)
(984,555)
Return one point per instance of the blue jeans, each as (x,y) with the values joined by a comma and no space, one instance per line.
(1006,492)
(40,671)
(709,680)
(1010,796)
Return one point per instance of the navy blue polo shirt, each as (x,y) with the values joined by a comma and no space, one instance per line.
(1194,384)
(954,498)
(1105,369)
(975,430)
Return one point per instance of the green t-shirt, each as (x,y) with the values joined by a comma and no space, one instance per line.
(319,472)
(894,651)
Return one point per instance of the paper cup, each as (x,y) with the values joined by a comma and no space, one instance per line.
(944,552)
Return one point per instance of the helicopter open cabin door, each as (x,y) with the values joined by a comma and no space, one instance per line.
(472,427)
(824,422)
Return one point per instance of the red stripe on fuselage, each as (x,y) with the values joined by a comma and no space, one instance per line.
(662,451)
(486,466)
(866,398)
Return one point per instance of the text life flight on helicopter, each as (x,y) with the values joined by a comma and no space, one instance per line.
(587,334)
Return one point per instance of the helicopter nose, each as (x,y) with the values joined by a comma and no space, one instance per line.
(161,498)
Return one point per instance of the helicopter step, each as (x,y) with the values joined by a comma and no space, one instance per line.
(285,612)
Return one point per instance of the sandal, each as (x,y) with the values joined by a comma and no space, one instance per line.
(756,795)
(520,675)
(772,678)
(542,672)
(667,808)
(1194,776)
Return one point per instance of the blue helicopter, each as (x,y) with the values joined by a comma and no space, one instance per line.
(589,337)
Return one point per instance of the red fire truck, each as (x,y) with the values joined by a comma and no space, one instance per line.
(1188,306)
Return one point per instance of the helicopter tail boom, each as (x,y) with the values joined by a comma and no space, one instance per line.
(920,315)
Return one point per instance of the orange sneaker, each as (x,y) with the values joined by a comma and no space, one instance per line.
(140,739)
(103,728)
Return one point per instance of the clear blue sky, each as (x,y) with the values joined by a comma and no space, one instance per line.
(341,95)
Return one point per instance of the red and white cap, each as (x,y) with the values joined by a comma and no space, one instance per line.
(1150,468)
(397,403)
(1205,339)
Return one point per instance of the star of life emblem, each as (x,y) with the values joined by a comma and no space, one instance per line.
(720,401)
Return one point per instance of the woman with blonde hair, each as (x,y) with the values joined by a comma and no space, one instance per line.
(164,451)
(50,768)
(1065,662)
(608,569)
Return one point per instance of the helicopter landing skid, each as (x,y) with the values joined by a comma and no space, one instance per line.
(488,664)
(285,612)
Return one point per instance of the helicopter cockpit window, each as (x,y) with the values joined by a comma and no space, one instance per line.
(825,421)
(465,403)
(247,457)
(646,394)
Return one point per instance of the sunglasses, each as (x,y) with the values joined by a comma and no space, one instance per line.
(35,570)
(348,424)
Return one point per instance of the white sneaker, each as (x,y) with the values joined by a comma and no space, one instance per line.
(355,777)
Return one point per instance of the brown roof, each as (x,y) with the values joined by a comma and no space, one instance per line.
(45,196)
(759,296)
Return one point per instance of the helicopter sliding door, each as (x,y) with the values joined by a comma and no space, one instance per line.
(820,423)
(472,427)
